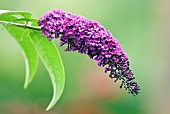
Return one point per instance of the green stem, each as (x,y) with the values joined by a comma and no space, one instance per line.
(21,25)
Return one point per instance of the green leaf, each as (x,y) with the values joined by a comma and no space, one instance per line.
(53,63)
(28,50)
(15,13)
(16,16)
(22,38)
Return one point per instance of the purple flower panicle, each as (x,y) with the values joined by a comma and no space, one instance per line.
(91,38)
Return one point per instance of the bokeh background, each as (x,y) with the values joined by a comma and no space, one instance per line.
(141,26)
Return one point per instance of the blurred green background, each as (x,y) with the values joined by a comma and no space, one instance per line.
(141,26)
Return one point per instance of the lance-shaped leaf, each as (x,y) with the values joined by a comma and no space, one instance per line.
(7,13)
(53,63)
(28,50)
(21,17)
(22,38)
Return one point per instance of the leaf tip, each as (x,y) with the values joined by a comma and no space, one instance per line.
(48,108)
(26,85)
(52,103)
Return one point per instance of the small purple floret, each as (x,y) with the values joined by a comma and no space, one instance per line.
(91,38)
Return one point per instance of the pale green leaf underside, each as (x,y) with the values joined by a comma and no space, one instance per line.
(53,63)
(22,38)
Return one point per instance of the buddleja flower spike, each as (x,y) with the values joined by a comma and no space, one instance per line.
(91,38)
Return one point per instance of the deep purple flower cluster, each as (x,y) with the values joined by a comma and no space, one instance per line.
(91,38)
